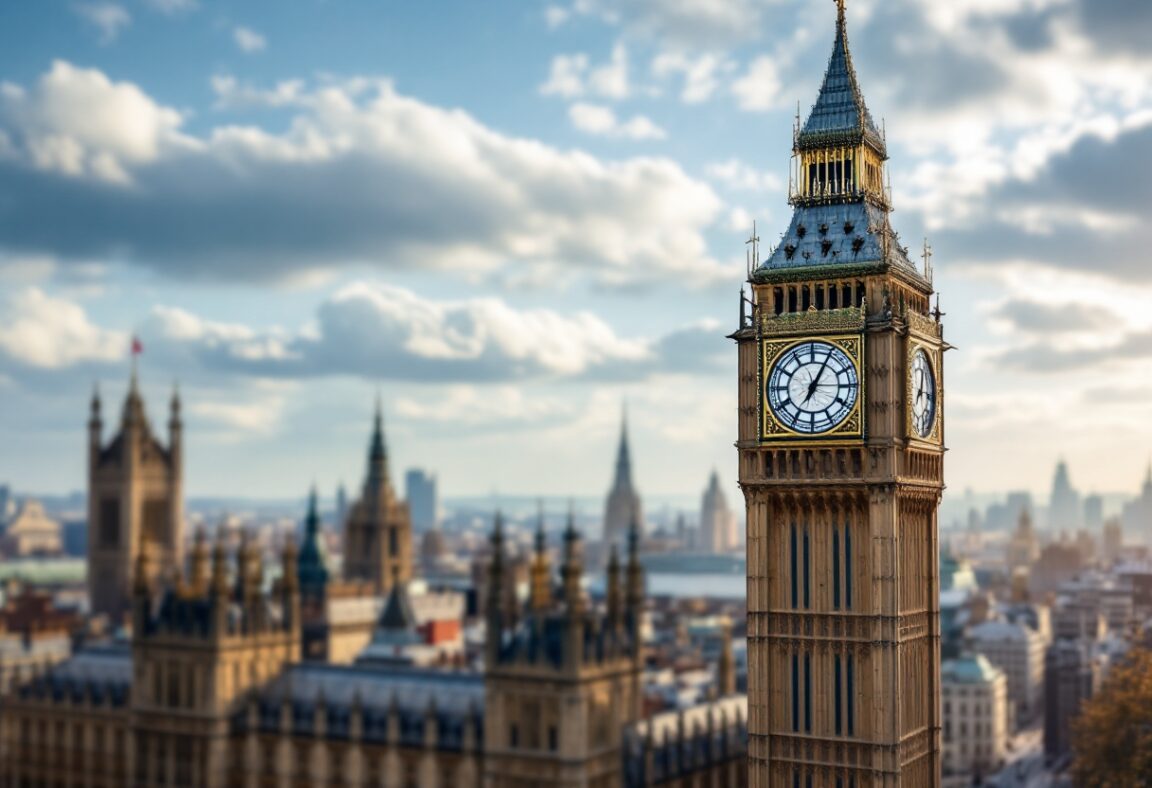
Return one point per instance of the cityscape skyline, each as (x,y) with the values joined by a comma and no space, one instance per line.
(277,344)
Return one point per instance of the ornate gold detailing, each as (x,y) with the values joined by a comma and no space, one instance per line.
(853,347)
(924,326)
(814,321)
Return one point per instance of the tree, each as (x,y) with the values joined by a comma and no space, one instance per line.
(1112,737)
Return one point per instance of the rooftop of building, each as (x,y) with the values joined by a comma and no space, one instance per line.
(969,669)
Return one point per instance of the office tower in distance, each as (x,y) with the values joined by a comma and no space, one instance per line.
(422,493)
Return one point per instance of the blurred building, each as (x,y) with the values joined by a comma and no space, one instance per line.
(1094,513)
(1063,503)
(974,695)
(717,521)
(421,490)
(1071,677)
(622,506)
(34,635)
(31,533)
(6,506)
(1024,546)
(1112,543)
(210,693)
(378,533)
(1136,516)
(135,503)
(1059,562)
(1018,650)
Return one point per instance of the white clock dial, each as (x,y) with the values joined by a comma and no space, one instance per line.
(813,387)
(923,394)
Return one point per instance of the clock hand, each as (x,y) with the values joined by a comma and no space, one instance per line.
(816,378)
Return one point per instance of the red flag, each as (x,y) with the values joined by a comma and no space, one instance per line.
(137,348)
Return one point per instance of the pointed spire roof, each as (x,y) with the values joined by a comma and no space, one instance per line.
(378,452)
(839,115)
(624,455)
(310,565)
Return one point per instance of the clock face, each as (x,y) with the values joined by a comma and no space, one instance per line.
(813,387)
(923,394)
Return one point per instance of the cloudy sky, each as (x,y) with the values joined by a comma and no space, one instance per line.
(508,217)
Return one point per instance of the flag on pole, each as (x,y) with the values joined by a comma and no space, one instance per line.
(137,347)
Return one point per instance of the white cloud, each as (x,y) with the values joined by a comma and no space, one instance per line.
(488,407)
(571,76)
(555,16)
(77,122)
(406,184)
(240,419)
(740,176)
(702,74)
(39,330)
(566,78)
(602,121)
(109,19)
(760,88)
(368,330)
(249,40)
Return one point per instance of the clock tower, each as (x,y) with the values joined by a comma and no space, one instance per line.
(841,443)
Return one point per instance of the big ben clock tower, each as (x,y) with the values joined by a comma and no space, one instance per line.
(841,442)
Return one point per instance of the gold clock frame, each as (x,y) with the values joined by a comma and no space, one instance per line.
(933,356)
(849,430)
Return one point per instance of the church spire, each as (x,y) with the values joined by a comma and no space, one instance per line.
(378,452)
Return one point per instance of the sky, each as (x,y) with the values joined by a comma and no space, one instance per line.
(509,218)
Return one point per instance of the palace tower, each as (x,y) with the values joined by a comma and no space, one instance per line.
(564,678)
(378,535)
(841,463)
(135,504)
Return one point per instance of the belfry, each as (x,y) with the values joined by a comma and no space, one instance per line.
(841,444)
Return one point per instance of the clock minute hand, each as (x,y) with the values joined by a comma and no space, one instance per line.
(816,379)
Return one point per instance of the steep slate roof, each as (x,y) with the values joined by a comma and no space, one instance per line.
(839,114)
(841,234)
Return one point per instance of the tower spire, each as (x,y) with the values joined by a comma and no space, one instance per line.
(624,454)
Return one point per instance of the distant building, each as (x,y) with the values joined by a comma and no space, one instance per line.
(1112,542)
(420,489)
(1071,677)
(34,635)
(1058,563)
(31,533)
(5,503)
(1064,502)
(1094,513)
(974,694)
(1137,514)
(1018,650)
(1024,547)
(341,513)
(135,504)
(622,506)
(378,533)
(717,521)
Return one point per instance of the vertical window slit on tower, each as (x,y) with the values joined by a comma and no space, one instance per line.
(837,696)
(807,693)
(795,692)
(794,575)
(835,567)
(850,680)
(847,566)
(807,573)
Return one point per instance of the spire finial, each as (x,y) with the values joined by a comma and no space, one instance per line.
(841,12)
(541,541)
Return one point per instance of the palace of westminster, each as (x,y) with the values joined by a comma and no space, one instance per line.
(229,680)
